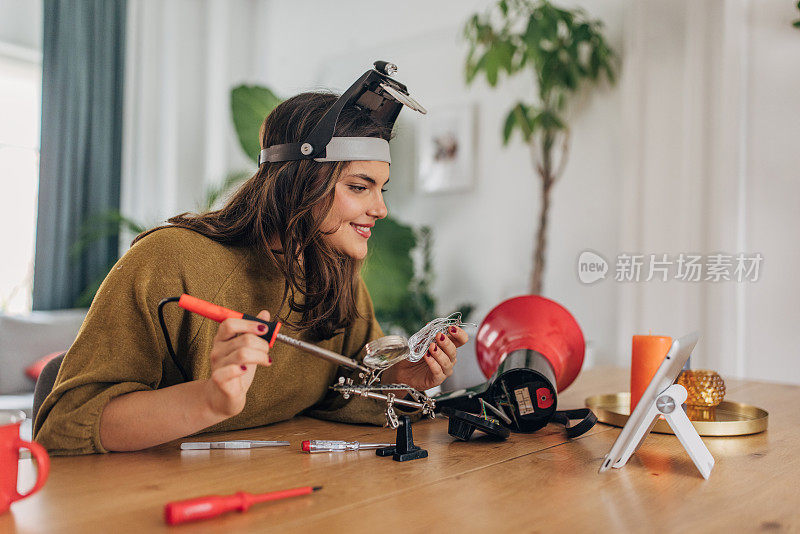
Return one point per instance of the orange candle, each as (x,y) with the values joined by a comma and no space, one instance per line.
(646,355)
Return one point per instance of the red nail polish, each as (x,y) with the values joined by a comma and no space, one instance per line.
(262,328)
(441,337)
(269,360)
(453,330)
(435,348)
(244,368)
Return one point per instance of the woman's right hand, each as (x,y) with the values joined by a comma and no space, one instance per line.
(236,353)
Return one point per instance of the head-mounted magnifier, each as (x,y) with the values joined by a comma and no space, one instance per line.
(376,93)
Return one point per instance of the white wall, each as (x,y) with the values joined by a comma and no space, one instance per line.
(713,164)
(772,190)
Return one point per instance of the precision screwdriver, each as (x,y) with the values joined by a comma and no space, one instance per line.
(240,444)
(323,445)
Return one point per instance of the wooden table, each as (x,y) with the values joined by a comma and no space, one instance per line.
(529,483)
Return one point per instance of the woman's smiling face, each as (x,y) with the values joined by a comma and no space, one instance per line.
(357,204)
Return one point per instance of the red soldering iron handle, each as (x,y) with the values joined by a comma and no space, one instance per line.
(207,507)
(219,314)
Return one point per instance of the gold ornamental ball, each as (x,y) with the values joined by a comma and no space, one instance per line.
(706,388)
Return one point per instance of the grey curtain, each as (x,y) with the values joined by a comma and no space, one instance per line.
(79,171)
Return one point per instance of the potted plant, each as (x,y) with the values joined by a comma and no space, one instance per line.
(566,52)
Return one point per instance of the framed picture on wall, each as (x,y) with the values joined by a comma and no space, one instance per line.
(446,149)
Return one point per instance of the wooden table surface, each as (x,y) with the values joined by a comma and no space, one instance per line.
(529,483)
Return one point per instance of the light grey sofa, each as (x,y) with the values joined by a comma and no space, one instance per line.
(24,339)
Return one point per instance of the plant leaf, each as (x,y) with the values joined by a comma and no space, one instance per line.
(100,226)
(389,268)
(524,120)
(490,64)
(250,105)
(508,127)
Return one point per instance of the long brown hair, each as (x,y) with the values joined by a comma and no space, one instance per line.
(286,202)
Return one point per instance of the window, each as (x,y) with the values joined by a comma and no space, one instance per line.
(20,112)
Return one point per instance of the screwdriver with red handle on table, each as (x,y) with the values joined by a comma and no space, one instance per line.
(210,506)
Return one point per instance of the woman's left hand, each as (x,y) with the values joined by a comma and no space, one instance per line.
(434,367)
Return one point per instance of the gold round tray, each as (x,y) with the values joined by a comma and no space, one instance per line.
(727,419)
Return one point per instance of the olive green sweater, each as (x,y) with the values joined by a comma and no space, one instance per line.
(120,347)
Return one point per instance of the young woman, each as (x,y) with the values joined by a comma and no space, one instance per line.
(291,240)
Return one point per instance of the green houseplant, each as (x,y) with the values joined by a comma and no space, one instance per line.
(565,51)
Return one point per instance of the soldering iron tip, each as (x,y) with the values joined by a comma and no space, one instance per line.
(316,488)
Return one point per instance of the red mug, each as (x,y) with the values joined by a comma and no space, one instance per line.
(10,444)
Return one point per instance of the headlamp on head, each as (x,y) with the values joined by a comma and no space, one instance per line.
(374,92)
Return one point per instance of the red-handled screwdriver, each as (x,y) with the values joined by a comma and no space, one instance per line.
(210,506)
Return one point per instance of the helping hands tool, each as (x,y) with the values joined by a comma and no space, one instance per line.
(323,445)
(178,512)
(239,444)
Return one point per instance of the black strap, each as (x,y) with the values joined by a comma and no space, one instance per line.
(184,373)
(588,419)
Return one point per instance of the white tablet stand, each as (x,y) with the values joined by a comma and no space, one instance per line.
(668,404)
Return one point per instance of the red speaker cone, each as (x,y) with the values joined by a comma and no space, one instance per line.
(535,323)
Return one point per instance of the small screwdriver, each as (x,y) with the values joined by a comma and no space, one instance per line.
(323,445)
(240,444)
(210,506)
